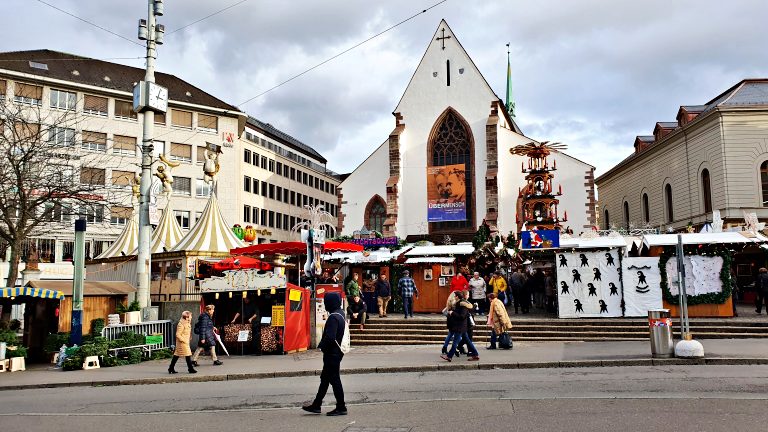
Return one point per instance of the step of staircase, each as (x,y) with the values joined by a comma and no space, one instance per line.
(432,330)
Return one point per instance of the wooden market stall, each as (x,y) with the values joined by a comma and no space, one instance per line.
(432,268)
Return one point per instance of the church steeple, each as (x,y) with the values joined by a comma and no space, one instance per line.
(510,104)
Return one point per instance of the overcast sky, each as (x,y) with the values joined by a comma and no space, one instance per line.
(589,73)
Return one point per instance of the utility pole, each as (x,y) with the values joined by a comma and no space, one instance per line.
(76,332)
(148,98)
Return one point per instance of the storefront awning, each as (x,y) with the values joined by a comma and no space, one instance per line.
(90,288)
(31,292)
(293,248)
(430,260)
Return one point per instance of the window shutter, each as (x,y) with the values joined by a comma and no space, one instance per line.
(28,91)
(124,143)
(121,212)
(121,178)
(94,137)
(3,87)
(183,151)
(181,118)
(95,104)
(207,121)
(182,185)
(124,109)
(92,176)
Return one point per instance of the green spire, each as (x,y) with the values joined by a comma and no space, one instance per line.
(509,103)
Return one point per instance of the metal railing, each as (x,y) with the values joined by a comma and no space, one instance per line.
(164,327)
(175,297)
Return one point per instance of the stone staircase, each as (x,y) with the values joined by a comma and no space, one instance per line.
(427,330)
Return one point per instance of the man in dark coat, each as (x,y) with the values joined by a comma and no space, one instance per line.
(761,286)
(457,329)
(383,294)
(357,311)
(332,355)
(207,338)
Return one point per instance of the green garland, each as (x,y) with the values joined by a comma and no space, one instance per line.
(705,250)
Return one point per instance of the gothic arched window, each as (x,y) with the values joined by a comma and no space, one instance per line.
(375,214)
(451,143)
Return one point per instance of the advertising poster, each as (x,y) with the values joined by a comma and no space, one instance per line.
(446,193)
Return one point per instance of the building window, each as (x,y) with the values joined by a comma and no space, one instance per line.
(706,191)
(60,136)
(626,214)
(119,215)
(94,141)
(263,216)
(293,173)
(375,214)
(271,223)
(95,105)
(256,186)
(181,152)
(255,216)
(263,162)
(28,94)
(606,220)
(278,193)
(279,168)
(203,189)
(182,186)
(182,217)
(247,213)
(124,110)
(286,221)
(247,156)
(764,182)
(121,178)
(92,213)
(247,184)
(160,118)
(293,221)
(207,123)
(668,202)
(271,191)
(92,176)
(63,100)
(271,165)
(124,145)
(200,154)
(279,221)
(182,119)
(293,198)
(646,209)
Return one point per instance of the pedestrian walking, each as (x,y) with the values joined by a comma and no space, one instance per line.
(499,286)
(330,345)
(450,304)
(205,329)
(477,292)
(457,328)
(408,290)
(498,319)
(357,311)
(383,295)
(550,291)
(761,286)
(517,283)
(183,335)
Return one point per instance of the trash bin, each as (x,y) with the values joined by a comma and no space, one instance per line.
(660,328)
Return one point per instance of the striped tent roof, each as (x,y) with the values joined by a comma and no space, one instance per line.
(127,242)
(31,292)
(211,232)
(166,235)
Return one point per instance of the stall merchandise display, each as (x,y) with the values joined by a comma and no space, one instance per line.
(231,332)
(642,285)
(270,339)
(589,284)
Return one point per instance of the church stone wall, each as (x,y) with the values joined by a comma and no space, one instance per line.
(368,180)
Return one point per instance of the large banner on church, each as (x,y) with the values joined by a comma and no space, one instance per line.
(446,193)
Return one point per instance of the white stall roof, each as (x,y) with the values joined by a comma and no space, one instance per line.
(430,260)
(597,242)
(457,249)
(377,256)
(702,238)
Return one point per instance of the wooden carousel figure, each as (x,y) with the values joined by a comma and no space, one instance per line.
(537,201)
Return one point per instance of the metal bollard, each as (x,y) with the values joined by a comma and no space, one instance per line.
(660,328)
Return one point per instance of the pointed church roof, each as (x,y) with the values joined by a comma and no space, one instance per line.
(211,232)
(439,42)
(127,242)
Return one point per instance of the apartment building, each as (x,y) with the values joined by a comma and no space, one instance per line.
(279,175)
(713,157)
(97,95)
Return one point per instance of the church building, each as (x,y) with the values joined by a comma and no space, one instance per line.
(447,166)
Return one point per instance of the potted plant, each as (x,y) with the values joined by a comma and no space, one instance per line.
(131,313)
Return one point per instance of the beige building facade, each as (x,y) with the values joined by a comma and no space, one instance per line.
(714,157)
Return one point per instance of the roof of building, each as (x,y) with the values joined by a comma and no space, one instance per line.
(211,232)
(667,125)
(287,139)
(99,73)
(747,92)
(645,138)
(127,242)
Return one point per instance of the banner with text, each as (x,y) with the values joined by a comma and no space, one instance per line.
(446,193)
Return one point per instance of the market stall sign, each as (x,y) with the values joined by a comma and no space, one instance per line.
(239,280)
(278,316)
(376,242)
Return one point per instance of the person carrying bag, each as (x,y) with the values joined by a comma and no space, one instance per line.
(500,324)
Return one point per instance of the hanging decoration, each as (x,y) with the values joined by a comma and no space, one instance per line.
(698,282)
(238,230)
(250,233)
(312,232)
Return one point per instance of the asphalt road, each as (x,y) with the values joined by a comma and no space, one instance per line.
(680,398)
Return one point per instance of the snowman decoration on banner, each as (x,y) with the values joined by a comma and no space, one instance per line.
(589,284)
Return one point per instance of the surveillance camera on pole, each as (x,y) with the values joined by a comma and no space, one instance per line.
(148,98)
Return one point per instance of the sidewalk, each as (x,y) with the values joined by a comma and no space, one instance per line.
(390,359)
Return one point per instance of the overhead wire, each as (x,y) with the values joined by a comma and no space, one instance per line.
(342,53)
(90,23)
(207,16)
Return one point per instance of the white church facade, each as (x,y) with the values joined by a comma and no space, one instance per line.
(449,120)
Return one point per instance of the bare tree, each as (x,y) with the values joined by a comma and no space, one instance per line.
(46,174)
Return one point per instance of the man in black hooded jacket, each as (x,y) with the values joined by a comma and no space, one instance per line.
(332,355)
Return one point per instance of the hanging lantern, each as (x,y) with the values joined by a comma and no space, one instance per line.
(230,294)
(217,296)
(245,294)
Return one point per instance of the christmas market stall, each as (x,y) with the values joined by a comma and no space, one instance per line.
(33,312)
(432,268)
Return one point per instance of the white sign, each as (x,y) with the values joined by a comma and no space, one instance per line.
(242,280)
(242,335)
